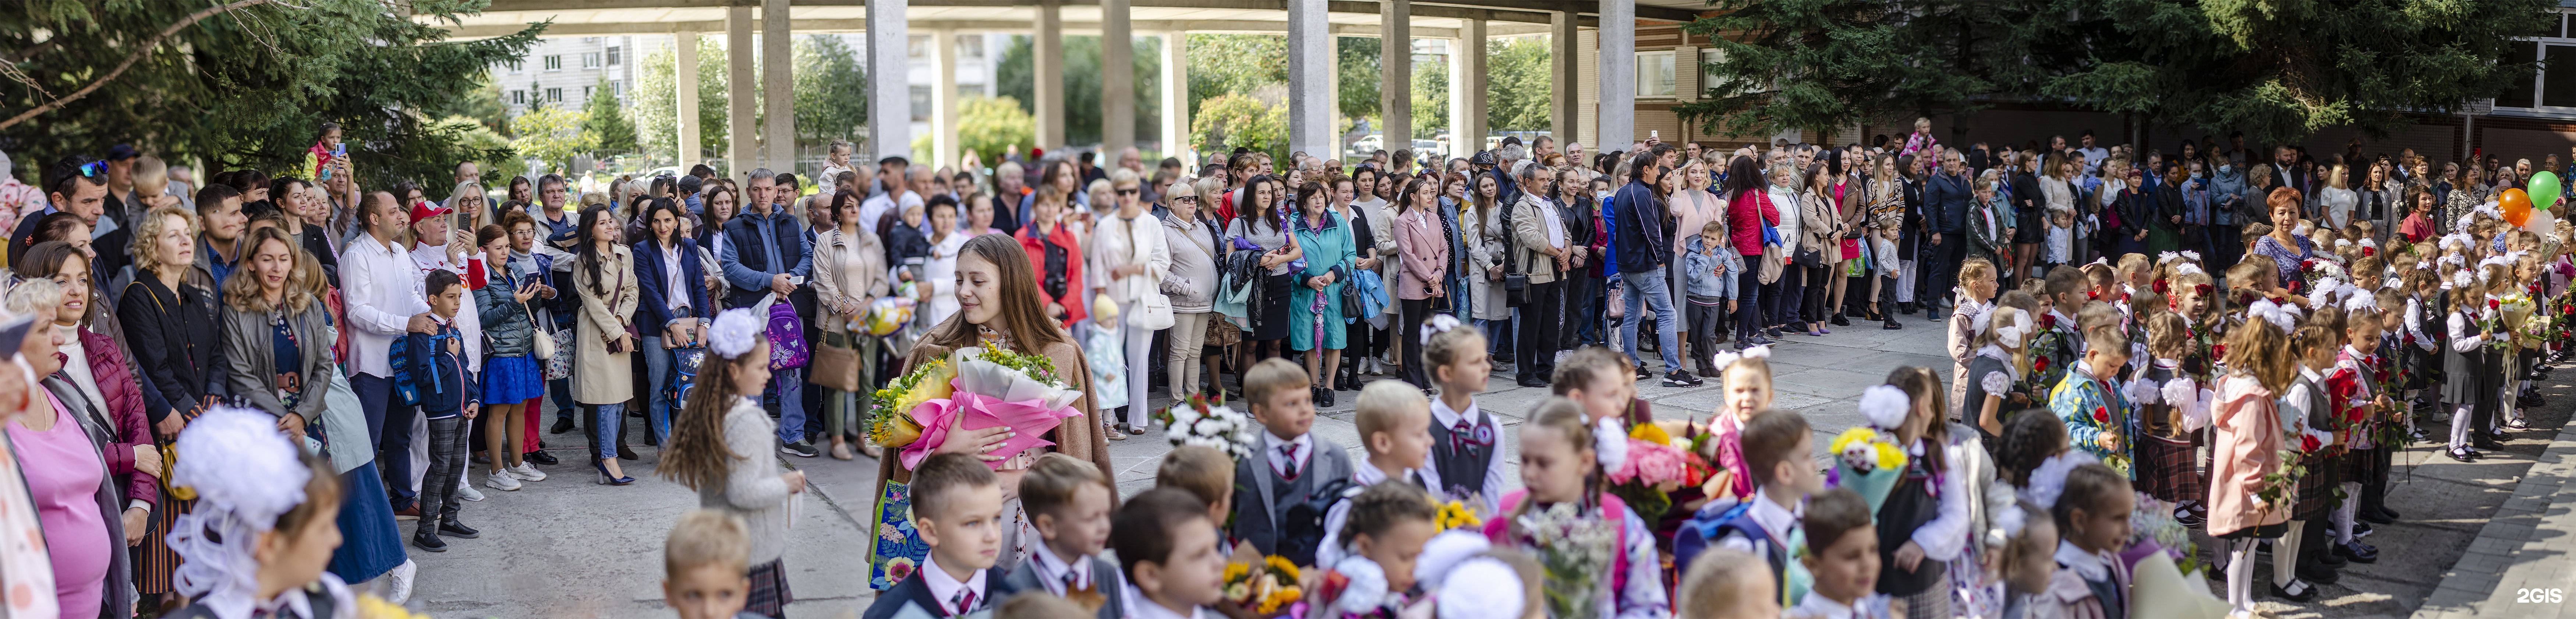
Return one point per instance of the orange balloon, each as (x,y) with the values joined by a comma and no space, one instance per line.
(2516,205)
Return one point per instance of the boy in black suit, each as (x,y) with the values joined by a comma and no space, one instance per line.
(1068,501)
(1295,476)
(957,504)
(1169,550)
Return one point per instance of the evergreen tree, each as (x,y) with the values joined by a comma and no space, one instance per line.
(604,118)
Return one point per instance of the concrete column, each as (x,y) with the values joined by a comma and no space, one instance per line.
(741,88)
(889,79)
(1048,63)
(777,87)
(1117,81)
(1560,71)
(1395,73)
(1618,73)
(1310,71)
(1337,125)
(1176,100)
(1467,81)
(943,98)
(685,71)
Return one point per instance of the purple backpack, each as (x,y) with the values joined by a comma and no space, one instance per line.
(787,349)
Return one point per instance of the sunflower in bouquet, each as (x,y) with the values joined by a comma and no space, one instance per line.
(1264,587)
(975,387)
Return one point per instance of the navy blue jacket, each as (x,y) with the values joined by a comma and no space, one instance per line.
(745,259)
(1947,196)
(446,387)
(655,308)
(1642,229)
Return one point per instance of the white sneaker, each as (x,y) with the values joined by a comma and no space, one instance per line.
(526,472)
(398,582)
(466,491)
(501,480)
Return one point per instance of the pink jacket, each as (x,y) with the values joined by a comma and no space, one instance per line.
(1423,256)
(2246,446)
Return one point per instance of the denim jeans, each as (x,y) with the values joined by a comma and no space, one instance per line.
(560,390)
(606,421)
(657,401)
(787,392)
(447,447)
(1648,286)
(1748,304)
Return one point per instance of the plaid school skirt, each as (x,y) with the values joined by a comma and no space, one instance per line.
(769,595)
(2316,488)
(2169,469)
(2363,465)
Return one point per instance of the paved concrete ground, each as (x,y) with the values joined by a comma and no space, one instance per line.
(568,548)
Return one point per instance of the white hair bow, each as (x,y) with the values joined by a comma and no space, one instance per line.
(735,333)
(2367,242)
(2048,481)
(2186,268)
(1438,324)
(2009,335)
(1727,358)
(2166,257)
(2359,302)
(2342,243)
(2460,279)
(2193,255)
(2267,311)
(1885,406)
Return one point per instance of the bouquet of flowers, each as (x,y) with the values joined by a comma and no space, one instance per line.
(1574,551)
(1260,586)
(984,387)
(1457,515)
(2153,521)
(1654,468)
(2516,308)
(1867,461)
(1210,423)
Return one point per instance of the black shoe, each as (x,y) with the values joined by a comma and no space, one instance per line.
(562,424)
(541,457)
(2360,530)
(1642,374)
(2298,591)
(2325,557)
(2385,512)
(1771,333)
(1892,325)
(801,449)
(622,452)
(2485,442)
(2372,515)
(1839,321)
(2357,552)
(635,412)
(427,539)
(1681,379)
(482,457)
(2317,573)
(452,528)
(1533,382)
(2532,401)
(1323,398)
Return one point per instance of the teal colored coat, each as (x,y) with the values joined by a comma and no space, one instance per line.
(1328,250)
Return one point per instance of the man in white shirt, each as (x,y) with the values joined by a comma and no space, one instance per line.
(2093,155)
(380,285)
(897,196)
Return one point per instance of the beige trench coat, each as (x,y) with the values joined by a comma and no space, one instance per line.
(597,376)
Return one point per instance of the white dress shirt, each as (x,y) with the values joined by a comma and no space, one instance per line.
(1280,458)
(1053,570)
(1448,418)
(381,290)
(1141,607)
(944,587)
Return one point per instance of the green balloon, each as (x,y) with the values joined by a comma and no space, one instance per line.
(2544,190)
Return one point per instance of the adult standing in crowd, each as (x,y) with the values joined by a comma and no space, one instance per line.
(1055,252)
(1315,326)
(1542,251)
(604,276)
(384,303)
(1129,252)
(673,304)
(1264,227)
(59,446)
(95,365)
(766,255)
(1750,220)
(849,275)
(1190,237)
(1643,225)
(1820,229)
(1423,272)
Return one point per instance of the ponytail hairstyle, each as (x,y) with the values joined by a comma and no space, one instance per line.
(1921,385)
(1450,345)
(2165,336)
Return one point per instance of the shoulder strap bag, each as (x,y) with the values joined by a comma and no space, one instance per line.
(1515,280)
(1154,311)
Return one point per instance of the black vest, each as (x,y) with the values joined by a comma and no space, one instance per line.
(1462,471)
(752,252)
(1908,506)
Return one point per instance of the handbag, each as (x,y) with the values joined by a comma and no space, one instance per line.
(1773,255)
(1515,281)
(833,366)
(1154,310)
(559,367)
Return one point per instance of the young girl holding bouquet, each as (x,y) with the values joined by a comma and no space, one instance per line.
(1564,493)
(721,447)
(999,304)
(2470,365)
(2246,442)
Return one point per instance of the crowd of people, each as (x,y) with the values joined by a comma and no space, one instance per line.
(2147,348)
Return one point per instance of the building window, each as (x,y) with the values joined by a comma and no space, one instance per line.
(613,56)
(1655,74)
(2551,89)
(617,88)
(518,97)
(554,95)
(589,91)
(970,47)
(1708,58)
(590,60)
(918,46)
(554,62)
(970,90)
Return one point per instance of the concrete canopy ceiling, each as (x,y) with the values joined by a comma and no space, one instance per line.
(1349,17)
